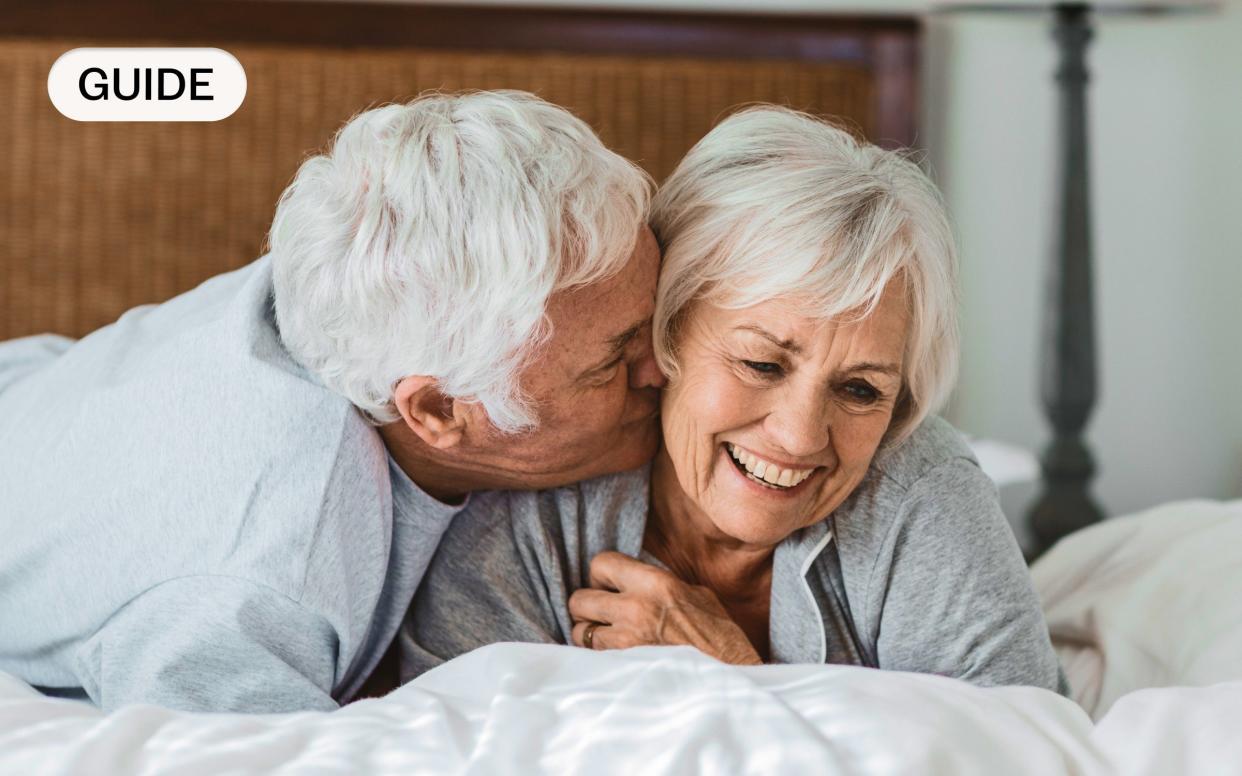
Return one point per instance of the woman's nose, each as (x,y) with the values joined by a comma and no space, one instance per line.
(801,425)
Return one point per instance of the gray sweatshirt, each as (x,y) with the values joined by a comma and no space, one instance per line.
(916,571)
(188,518)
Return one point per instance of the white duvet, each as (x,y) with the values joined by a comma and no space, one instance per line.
(1151,601)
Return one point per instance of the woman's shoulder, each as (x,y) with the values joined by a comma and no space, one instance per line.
(934,444)
(926,555)
(603,513)
(927,490)
(606,494)
(582,518)
(621,492)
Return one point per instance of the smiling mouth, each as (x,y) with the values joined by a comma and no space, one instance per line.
(766,473)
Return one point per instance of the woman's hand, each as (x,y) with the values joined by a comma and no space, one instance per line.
(636,604)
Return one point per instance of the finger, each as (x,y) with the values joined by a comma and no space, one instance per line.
(599,639)
(615,571)
(598,605)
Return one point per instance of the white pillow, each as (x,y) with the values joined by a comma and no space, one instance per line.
(1150,600)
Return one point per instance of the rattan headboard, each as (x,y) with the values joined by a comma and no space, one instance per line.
(98,217)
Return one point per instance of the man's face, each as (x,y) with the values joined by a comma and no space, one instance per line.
(595,387)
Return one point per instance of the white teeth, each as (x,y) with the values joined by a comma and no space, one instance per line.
(767,473)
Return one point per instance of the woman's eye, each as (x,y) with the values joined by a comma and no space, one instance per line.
(765,368)
(861,392)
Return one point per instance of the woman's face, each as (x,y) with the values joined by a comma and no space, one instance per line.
(776,416)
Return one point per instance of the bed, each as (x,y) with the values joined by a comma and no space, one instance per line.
(1142,610)
(97,218)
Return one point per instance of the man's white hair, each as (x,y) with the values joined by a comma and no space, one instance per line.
(429,237)
(773,203)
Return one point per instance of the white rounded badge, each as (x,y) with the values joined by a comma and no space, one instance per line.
(146,84)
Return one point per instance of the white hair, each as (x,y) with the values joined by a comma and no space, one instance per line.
(775,203)
(429,237)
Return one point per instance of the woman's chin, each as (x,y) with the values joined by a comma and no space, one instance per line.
(759,534)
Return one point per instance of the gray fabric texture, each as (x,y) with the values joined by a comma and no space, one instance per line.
(916,571)
(190,519)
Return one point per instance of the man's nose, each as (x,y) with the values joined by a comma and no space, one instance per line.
(646,373)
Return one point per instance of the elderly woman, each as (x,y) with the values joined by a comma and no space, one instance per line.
(805,506)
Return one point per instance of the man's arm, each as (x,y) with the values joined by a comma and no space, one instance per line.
(212,643)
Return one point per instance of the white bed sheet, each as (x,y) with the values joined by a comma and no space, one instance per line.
(528,708)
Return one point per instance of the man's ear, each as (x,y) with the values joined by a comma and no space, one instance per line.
(435,418)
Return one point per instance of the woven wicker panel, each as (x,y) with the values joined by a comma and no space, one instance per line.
(97,218)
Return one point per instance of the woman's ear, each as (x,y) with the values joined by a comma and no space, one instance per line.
(434,417)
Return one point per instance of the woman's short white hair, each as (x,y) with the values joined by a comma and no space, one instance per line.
(429,237)
(774,203)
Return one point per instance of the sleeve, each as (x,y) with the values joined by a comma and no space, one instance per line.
(956,598)
(495,577)
(212,643)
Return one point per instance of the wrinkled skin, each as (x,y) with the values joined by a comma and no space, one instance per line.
(807,394)
(595,388)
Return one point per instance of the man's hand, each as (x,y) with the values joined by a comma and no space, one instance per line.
(636,604)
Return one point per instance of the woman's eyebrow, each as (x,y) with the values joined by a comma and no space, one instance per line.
(892,370)
(783,344)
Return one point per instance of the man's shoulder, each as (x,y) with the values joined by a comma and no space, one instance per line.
(290,505)
(183,442)
(188,424)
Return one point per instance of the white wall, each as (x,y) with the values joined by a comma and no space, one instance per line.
(1166,135)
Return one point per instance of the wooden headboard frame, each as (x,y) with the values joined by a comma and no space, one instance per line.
(886,46)
(97,218)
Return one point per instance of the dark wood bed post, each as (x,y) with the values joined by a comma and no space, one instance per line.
(1068,368)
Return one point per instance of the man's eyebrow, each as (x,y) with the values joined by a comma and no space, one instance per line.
(617,343)
(783,344)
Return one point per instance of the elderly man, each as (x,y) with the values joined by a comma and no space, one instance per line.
(226,502)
